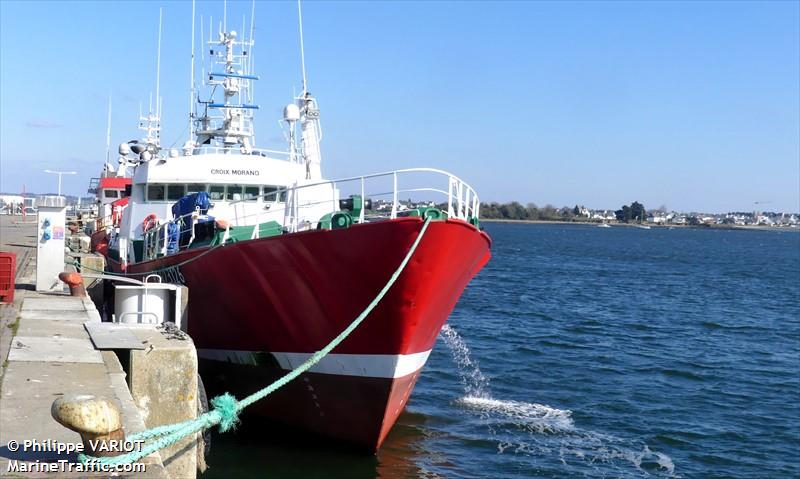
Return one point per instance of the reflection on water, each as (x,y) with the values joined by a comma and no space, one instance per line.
(260,450)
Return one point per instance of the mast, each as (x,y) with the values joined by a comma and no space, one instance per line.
(108,168)
(302,48)
(158,63)
(191,82)
(311,132)
(250,67)
(231,123)
(151,124)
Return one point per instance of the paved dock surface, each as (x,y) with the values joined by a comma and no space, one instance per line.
(46,352)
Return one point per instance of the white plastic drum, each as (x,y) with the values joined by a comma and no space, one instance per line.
(148,304)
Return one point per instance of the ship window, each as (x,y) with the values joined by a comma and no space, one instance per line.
(195,188)
(216,192)
(270,193)
(111,193)
(155,192)
(234,193)
(250,193)
(175,192)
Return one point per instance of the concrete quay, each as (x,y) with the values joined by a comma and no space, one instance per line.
(47,352)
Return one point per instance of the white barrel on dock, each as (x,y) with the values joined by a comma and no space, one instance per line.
(151,303)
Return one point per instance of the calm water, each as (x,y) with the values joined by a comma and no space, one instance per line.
(594,352)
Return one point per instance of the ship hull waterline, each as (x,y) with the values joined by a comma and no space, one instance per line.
(258,308)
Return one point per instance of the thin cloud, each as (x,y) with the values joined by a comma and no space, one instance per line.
(39,123)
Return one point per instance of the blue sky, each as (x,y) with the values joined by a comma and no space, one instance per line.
(692,105)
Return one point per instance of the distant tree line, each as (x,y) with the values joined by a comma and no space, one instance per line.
(634,212)
(515,211)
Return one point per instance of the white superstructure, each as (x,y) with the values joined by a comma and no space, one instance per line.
(246,185)
(255,191)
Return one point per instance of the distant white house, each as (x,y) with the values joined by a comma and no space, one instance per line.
(764,220)
(601,215)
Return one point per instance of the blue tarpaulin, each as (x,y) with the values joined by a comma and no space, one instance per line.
(189,203)
(184,207)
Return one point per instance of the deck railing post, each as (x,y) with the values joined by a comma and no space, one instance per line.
(459,194)
(256,233)
(334,206)
(394,194)
(450,184)
(286,212)
(295,208)
(164,248)
(363,203)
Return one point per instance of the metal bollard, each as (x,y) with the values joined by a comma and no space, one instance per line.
(97,420)
(75,283)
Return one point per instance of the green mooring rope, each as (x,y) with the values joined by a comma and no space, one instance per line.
(226,408)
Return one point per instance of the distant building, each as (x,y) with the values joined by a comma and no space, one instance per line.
(11,204)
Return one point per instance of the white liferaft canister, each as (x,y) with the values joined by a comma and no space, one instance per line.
(146,304)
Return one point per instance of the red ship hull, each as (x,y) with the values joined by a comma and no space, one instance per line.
(258,308)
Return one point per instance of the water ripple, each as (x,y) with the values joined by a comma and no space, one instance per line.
(622,353)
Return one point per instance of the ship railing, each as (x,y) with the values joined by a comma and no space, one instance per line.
(103,222)
(458,198)
(108,221)
(295,211)
(156,239)
(98,223)
(237,150)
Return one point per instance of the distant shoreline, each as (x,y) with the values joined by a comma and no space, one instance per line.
(634,225)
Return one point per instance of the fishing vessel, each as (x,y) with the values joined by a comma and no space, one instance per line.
(279,260)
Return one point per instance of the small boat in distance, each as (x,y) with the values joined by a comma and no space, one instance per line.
(604,225)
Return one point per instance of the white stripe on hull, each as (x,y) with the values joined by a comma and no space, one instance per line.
(366,365)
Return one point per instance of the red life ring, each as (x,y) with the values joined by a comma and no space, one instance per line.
(150,222)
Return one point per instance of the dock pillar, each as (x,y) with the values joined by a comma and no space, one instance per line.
(163,382)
